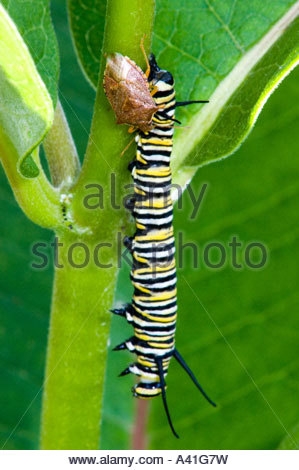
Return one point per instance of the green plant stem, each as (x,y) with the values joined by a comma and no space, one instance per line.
(36,196)
(77,347)
(127,23)
(61,151)
(80,319)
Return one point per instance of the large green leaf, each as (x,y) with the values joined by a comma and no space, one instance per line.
(25,294)
(87,21)
(221,126)
(237,328)
(77,100)
(24,299)
(237,55)
(290,440)
(253,310)
(40,39)
(26,110)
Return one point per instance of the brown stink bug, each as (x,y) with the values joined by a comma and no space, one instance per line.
(127,90)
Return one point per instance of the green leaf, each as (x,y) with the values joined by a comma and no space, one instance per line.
(28,167)
(34,23)
(26,114)
(238,328)
(87,20)
(236,56)
(24,311)
(291,440)
(26,110)
(220,127)
(254,310)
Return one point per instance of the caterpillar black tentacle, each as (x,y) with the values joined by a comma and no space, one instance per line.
(153,309)
(163,389)
(187,369)
(186,103)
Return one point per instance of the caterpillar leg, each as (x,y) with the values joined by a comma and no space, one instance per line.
(130,203)
(129,344)
(125,311)
(128,243)
(131,166)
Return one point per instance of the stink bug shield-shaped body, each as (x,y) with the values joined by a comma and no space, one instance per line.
(128,92)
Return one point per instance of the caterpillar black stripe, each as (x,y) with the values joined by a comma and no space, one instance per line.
(153,310)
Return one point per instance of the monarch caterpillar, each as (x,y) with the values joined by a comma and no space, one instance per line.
(153,309)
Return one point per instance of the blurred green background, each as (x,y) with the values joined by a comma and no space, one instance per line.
(237,328)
